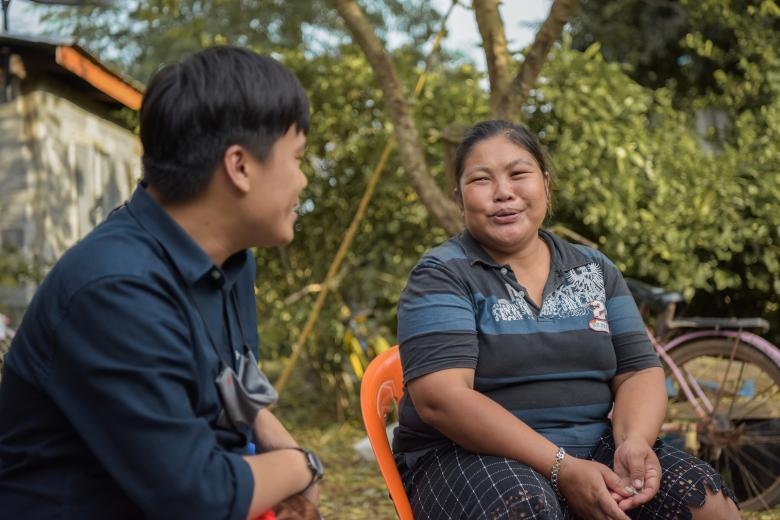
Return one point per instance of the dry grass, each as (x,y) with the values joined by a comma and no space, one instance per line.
(353,489)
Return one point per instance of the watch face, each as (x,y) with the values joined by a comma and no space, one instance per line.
(315,464)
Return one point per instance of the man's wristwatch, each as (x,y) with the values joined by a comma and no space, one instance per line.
(315,466)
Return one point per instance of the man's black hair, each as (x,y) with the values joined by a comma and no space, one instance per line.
(194,110)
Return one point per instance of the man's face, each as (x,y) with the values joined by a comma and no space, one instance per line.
(277,182)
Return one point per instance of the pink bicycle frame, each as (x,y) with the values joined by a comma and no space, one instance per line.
(688,385)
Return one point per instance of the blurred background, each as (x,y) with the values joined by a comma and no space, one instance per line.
(662,118)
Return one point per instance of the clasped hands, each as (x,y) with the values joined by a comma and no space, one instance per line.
(594,491)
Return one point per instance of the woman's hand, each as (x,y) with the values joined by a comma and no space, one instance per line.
(590,488)
(639,469)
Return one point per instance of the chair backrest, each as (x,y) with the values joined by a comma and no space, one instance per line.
(383,385)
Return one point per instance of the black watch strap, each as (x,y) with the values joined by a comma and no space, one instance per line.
(315,466)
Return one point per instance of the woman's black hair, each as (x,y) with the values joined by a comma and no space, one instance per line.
(517,133)
(194,110)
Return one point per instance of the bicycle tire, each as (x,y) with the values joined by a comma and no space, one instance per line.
(744,444)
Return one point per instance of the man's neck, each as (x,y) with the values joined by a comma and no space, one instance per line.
(203,222)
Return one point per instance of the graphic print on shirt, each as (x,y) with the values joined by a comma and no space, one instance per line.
(510,310)
(599,322)
(584,285)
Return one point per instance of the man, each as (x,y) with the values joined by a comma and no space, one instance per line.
(131,390)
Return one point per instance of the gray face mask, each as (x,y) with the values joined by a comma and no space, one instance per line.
(243,395)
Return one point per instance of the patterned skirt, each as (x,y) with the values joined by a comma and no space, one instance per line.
(451,483)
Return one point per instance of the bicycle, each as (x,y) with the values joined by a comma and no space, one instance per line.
(723,382)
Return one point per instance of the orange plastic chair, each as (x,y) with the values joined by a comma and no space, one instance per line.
(382,385)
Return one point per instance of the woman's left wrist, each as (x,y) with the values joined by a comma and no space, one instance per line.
(631,437)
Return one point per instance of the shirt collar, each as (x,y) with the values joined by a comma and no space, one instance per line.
(187,256)
(474,250)
(565,256)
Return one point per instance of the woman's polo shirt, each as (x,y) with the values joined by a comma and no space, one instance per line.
(551,366)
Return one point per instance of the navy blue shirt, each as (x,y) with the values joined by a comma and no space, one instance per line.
(108,406)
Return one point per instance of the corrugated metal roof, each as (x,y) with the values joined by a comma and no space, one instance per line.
(80,62)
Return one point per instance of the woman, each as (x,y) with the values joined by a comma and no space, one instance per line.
(515,346)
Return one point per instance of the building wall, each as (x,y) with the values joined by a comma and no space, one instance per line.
(64,170)
(15,221)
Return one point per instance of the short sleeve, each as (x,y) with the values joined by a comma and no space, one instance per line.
(633,349)
(436,322)
(125,378)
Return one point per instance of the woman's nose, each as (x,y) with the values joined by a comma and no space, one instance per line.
(503,190)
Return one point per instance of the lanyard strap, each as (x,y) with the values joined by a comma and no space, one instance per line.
(230,336)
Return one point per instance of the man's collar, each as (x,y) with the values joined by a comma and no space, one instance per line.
(189,258)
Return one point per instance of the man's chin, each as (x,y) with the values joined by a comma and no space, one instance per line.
(275,241)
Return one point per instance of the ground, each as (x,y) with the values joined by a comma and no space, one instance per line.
(354,489)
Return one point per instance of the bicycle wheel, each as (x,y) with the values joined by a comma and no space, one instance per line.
(741,437)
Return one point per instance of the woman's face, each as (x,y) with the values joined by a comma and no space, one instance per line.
(504,195)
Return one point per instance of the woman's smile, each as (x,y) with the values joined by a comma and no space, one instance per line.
(506,216)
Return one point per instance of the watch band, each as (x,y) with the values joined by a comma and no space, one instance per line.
(314,464)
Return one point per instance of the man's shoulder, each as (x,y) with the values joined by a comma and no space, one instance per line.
(89,271)
(115,248)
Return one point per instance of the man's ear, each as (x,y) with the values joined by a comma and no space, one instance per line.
(235,163)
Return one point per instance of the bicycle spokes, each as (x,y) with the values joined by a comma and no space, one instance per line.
(737,389)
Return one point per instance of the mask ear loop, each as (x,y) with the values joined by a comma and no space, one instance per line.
(208,332)
(238,320)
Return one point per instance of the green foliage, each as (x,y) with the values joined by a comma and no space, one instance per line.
(14,269)
(635,176)
(688,46)
(349,130)
(721,69)
(139,36)
(694,211)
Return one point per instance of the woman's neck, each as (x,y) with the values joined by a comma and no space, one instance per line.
(531,267)
(524,257)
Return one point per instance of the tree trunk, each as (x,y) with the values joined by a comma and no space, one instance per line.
(507,96)
(551,29)
(499,61)
(441,206)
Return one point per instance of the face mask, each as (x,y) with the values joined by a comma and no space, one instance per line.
(243,395)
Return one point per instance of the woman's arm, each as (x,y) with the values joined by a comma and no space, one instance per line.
(447,401)
(640,405)
(640,408)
